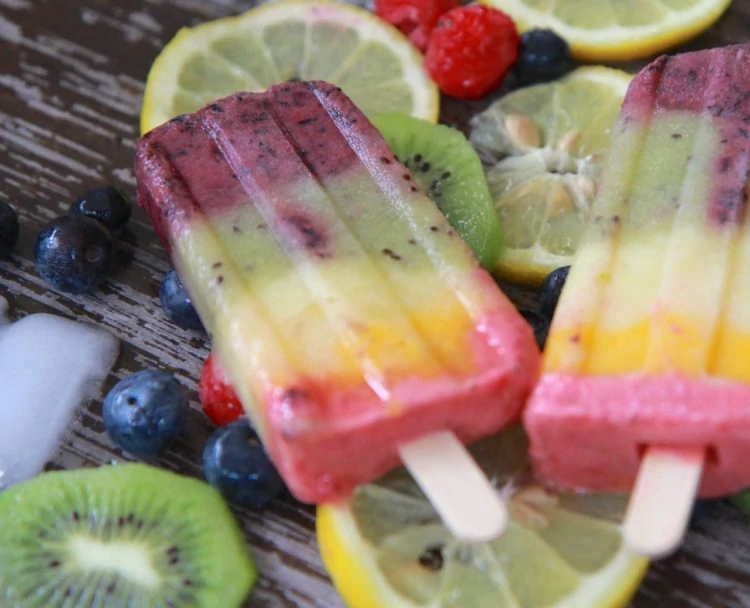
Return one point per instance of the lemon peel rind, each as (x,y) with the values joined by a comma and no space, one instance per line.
(619,43)
(340,543)
(350,561)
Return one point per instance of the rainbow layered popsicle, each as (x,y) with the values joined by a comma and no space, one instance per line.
(350,317)
(650,344)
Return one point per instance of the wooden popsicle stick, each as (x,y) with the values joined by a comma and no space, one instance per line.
(455,485)
(662,500)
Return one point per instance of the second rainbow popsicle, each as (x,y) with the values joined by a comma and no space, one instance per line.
(650,344)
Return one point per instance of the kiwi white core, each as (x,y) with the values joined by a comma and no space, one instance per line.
(130,560)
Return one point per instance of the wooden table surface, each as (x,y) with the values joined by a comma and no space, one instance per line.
(71,79)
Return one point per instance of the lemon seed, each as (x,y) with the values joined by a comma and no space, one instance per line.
(570,140)
(560,201)
(583,186)
(521,131)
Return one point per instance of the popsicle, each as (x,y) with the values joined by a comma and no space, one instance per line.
(648,357)
(353,322)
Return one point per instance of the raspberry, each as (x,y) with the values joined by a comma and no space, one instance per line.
(415,18)
(220,402)
(471,50)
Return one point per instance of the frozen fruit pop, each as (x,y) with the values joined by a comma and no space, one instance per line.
(350,317)
(650,344)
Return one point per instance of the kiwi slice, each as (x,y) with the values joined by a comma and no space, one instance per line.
(448,170)
(120,535)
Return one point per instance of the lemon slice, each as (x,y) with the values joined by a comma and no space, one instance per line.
(616,30)
(387,548)
(374,63)
(542,148)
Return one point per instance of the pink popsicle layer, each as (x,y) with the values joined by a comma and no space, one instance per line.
(590,434)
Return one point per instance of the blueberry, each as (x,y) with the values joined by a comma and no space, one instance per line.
(8,229)
(538,323)
(176,302)
(235,463)
(145,411)
(74,253)
(106,205)
(543,56)
(550,291)
(703,509)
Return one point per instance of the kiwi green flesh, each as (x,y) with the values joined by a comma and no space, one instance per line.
(120,535)
(448,170)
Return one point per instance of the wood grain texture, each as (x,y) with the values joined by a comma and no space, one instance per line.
(71,80)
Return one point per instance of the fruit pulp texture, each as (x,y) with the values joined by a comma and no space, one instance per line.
(650,341)
(350,316)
